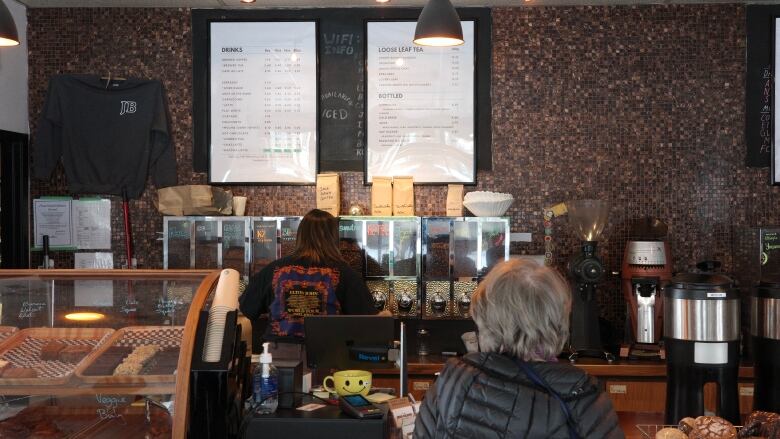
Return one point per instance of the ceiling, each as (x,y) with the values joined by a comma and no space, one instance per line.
(347,3)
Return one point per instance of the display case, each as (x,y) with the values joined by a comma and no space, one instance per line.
(245,244)
(386,251)
(99,353)
(457,252)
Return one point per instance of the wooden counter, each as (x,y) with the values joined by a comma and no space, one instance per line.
(633,386)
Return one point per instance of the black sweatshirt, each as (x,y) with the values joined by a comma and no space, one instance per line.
(109,138)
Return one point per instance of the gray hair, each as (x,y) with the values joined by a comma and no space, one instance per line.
(522,308)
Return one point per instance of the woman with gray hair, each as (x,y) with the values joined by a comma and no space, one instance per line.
(515,387)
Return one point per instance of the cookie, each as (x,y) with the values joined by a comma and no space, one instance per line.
(712,427)
(74,354)
(20,372)
(670,433)
(51,350)
(686,425)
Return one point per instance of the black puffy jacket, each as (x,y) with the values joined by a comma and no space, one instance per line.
(486,395)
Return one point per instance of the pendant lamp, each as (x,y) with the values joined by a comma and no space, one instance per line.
(8,34)
(438,25)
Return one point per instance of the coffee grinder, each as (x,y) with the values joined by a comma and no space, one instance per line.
(587,218)
(646,269)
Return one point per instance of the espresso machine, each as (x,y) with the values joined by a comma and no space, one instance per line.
(587,218)
(646,269)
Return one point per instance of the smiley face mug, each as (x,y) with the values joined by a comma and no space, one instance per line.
(349,382)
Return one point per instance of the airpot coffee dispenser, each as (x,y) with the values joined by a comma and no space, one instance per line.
(701,330)
(765,333)
(587,219)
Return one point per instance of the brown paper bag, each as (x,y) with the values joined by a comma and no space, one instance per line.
(403,196)
(329,193)
(382,196)
(454,200)
(197,199)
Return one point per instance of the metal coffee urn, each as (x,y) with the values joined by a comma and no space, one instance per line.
(765,332)
(701,330)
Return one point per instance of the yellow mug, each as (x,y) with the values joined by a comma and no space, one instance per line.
(349,382)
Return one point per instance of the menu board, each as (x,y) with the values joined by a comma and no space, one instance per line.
(776,144)
(420,106)
(263,102)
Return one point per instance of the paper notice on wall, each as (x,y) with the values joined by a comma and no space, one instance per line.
(93,292)
(53,218)
(91,223)
(104,260)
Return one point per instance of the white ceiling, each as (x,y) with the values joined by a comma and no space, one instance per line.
(347,3)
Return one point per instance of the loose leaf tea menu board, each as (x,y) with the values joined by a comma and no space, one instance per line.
(420,106)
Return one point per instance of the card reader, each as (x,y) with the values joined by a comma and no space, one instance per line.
(359,407)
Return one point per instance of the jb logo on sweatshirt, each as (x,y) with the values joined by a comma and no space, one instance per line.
(127,107)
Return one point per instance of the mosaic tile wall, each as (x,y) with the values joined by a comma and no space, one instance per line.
(642,106)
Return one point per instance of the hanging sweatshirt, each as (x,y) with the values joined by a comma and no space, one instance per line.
(109,138)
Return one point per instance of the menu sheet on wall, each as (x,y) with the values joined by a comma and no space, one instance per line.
(420,106)
(263,102)
(776,143)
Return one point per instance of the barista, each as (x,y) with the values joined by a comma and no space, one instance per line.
(315,280)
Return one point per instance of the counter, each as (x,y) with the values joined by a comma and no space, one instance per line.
(633,386)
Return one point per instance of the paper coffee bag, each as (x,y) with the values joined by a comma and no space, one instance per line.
(328,193)
(382,196)
(403,196)
(454,200)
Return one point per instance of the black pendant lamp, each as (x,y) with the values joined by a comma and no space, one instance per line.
(8,34)
(438,25)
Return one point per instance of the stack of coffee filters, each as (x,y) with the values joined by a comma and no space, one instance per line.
(225,300)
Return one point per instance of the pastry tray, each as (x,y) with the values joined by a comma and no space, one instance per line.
(649,430)
(133,336)
(23,349)
(7,331)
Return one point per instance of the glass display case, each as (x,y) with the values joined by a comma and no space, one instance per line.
(98,353)
(457,253)
(245,244)
(386,252)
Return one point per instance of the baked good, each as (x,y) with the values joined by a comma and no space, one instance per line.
(134,363)
(51,350)
(3,365)
(686,425)
(20,372)
(712,427)
(74,353)
(670,433)
(108,361)
(762,424)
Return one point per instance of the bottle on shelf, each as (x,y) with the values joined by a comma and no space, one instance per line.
(265,382)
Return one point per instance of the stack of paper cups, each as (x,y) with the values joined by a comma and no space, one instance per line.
(225,300)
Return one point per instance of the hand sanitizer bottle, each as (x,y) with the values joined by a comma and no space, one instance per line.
(265,381)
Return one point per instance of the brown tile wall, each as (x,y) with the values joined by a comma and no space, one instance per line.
(642,106)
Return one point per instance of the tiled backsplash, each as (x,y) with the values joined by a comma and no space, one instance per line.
(642,106)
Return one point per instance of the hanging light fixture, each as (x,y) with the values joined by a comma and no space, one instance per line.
(8,34)
(438,25)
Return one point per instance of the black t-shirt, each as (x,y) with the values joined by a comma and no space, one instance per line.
(290,289)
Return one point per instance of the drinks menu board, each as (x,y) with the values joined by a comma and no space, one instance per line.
(263,102)
(420,106)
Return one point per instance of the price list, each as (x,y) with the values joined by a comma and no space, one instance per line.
(263,102)
(420,103)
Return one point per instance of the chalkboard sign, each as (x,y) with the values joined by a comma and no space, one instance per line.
(341,54)
(341,96)
(758,84)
